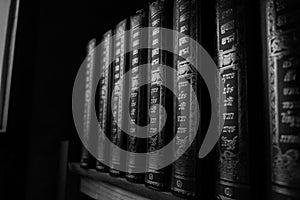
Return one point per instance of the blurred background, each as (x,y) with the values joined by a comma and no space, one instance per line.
(50,46)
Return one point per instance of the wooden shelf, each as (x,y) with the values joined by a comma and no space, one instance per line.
(102,186)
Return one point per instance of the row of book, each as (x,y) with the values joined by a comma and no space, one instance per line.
(256,45)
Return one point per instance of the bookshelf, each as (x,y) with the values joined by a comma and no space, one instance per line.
(245,67)
(102,186)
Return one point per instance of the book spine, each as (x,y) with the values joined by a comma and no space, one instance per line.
(138,95)
(119,69)
(283,40)
(104,100)
(233,146)
(158,17)
(184,172)
(86,158)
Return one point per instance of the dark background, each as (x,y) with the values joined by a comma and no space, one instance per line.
(50,46)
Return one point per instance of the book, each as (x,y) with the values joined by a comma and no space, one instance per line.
(104,95)
(87,160)
(283,45)
(120,66)
(184,170)
(192,177)
(239,61)
(138,95)
(160,15)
